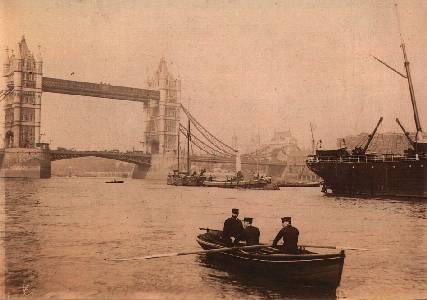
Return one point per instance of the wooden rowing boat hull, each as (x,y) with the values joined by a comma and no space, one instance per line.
(322,270)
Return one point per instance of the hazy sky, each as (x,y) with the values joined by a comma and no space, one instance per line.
(245,65)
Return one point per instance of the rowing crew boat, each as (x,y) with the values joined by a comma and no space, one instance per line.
(307,268)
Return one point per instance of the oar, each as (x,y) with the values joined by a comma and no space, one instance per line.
(225,249)
(335,247)
(314,246)
(209,229)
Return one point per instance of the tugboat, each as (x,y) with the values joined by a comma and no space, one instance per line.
(238,181)
(183,179)
(359,173)
(179,178)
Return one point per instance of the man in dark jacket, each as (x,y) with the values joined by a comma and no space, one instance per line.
(290,237)
(233,227)
(250,233)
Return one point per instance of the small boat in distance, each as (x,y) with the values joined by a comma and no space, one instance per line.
(307,268)
(114,181)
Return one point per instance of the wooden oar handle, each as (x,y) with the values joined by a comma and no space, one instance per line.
(208,229)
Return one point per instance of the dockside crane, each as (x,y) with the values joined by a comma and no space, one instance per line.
(362,151)
(408,137)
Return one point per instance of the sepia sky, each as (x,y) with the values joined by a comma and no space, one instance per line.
(247,66)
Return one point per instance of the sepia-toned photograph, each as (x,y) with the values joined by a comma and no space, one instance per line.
(200,149)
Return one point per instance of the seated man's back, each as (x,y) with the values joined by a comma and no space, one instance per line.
(289,234)
(250,233)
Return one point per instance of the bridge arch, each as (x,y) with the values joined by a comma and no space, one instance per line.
(136,158)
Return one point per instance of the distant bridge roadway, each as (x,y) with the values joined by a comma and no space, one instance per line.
(141,158)
(136,157)
(232,160)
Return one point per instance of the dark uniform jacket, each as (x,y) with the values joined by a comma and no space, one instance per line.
(251,235)
(232,228)
(290,239)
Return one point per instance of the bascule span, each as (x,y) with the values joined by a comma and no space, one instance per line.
(36,163)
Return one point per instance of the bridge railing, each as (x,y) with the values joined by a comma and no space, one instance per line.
(365,158)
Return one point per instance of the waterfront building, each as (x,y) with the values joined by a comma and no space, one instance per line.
(382,143)
(283,147)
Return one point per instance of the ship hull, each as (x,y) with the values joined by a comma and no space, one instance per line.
(377,178)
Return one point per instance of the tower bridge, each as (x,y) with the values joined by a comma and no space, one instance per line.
(23,154)
(22,103)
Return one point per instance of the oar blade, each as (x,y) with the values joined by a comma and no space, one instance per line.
(143,257)
(160,255)
(352,248)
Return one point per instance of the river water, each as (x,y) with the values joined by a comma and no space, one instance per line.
(57,233)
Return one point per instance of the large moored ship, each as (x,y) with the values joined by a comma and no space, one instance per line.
(357,172)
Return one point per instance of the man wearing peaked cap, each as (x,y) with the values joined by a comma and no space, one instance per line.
(250,233)
(233,228)
(289,234)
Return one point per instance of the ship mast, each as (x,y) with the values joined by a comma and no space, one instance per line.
(409,78)
(312,140)
(418,135)
(188,136)
(178,146)
(188,146)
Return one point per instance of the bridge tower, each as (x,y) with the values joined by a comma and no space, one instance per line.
(23,78)
(22,73)
(162,117)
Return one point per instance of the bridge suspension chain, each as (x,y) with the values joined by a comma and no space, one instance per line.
(184,131)
(194,137)
(218,148)
(209,140)
(212,142)
(205,133)
(259,152)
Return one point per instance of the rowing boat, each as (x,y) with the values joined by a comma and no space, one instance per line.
(306,268)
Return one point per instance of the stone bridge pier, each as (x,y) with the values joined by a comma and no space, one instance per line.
(161,165)
(27,163)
